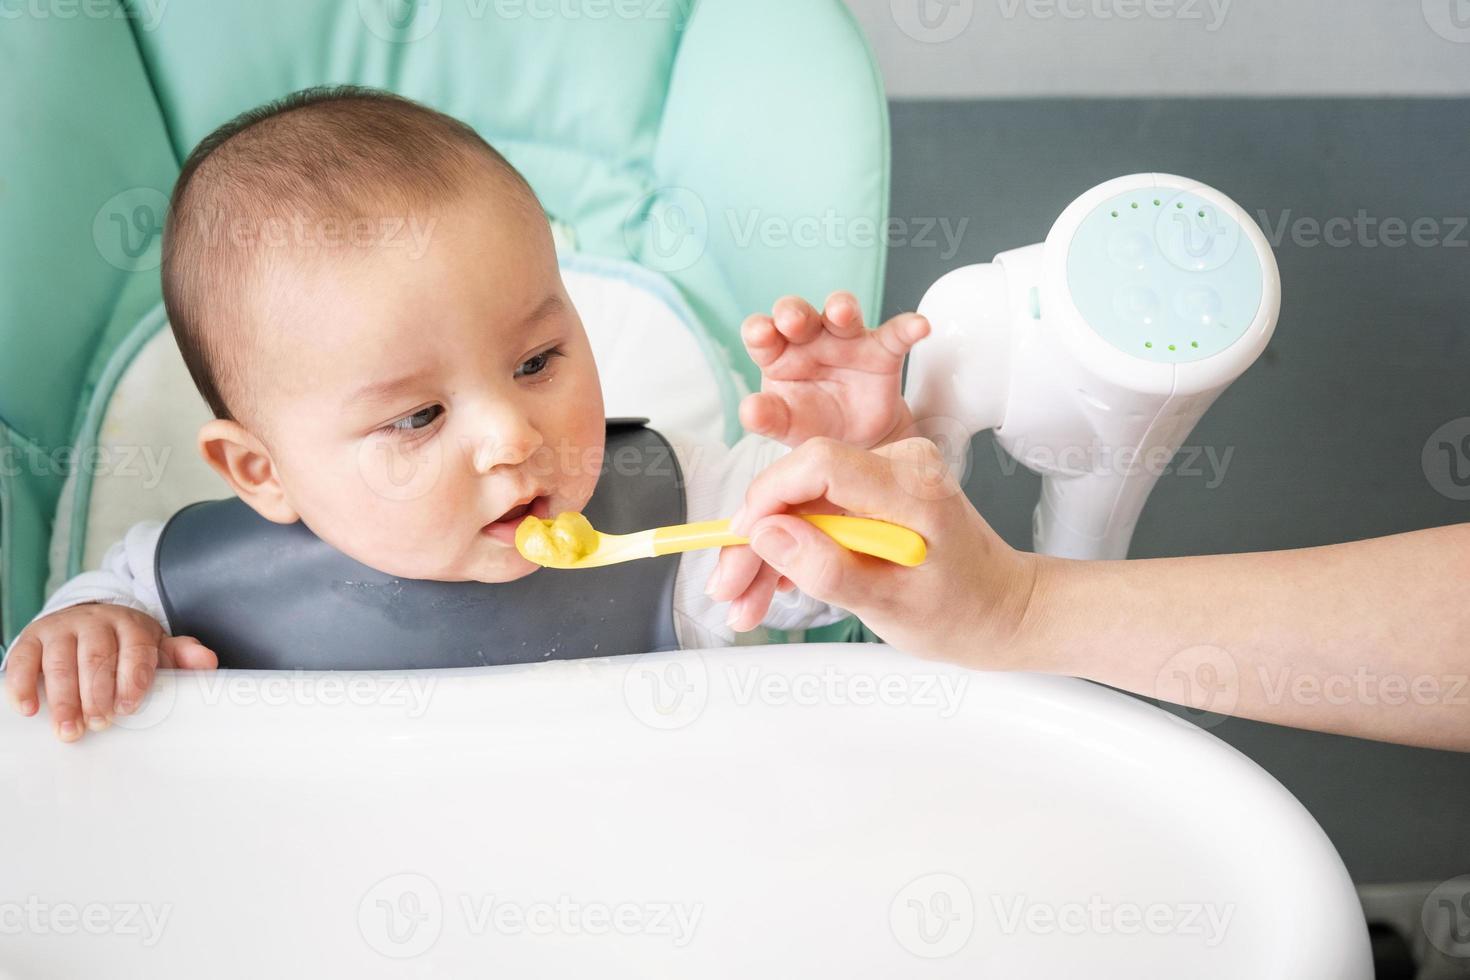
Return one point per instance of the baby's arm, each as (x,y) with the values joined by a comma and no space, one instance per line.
(98,641)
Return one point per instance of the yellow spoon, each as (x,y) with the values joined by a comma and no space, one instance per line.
(570,541)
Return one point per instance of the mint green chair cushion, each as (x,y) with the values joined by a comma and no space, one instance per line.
(704,140)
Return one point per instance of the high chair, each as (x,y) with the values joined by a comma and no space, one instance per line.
(806,810)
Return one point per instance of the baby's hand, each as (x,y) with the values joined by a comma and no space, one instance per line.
(825,374)
(98,660)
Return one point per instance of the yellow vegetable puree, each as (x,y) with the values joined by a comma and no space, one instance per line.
(557,543)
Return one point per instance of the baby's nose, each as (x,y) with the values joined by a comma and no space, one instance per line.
(504,449)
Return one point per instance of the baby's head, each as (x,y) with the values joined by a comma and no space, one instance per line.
(368,297)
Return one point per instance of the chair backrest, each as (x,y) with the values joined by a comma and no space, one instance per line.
(739,147)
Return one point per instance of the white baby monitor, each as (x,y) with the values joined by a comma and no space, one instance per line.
(1093,354)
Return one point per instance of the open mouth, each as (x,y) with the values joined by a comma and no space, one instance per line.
(504,526)
(515,513)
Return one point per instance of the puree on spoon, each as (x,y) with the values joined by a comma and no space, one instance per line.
(556,543)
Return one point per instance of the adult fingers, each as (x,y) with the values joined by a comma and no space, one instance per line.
(897,483)
(749,608)
(819,566)
(734,571)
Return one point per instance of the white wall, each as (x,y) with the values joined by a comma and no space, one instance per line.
(1011,48)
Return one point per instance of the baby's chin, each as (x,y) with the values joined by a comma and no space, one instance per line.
(501,564)
(513,568)
(495,563)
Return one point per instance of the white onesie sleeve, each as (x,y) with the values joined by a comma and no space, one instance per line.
(715,480)
(125,578)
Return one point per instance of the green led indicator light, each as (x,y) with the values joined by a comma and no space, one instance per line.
(1180,205)
(1156,202)
(1149,344)
(1194,343)
(1134,205)
(1171,346)
(1115,214)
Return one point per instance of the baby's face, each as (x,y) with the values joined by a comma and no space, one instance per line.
(418,406)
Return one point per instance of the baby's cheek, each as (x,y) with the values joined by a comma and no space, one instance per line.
(574,465)
(396,470)
(408,534)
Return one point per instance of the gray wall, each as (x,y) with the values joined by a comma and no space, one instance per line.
(997,48)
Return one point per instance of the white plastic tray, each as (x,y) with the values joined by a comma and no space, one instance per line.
(804,811)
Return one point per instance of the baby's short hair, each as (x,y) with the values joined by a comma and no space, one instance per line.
(322,157)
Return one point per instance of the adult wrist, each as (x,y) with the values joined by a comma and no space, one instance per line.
(1023,616)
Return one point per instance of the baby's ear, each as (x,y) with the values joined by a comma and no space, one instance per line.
(246,465)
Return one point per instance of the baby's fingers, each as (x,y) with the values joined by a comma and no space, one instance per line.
(137,663)
(797,320)
(22,670)
(766,414)
(97,673)
(901,333)
(59,667)
(844,314)
(186,653)
(762,340)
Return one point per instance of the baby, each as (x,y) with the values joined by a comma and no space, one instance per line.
(335,363)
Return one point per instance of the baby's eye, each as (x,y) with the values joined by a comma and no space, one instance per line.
(538,363)
(418,420)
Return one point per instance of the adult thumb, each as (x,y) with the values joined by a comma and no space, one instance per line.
(816,564)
